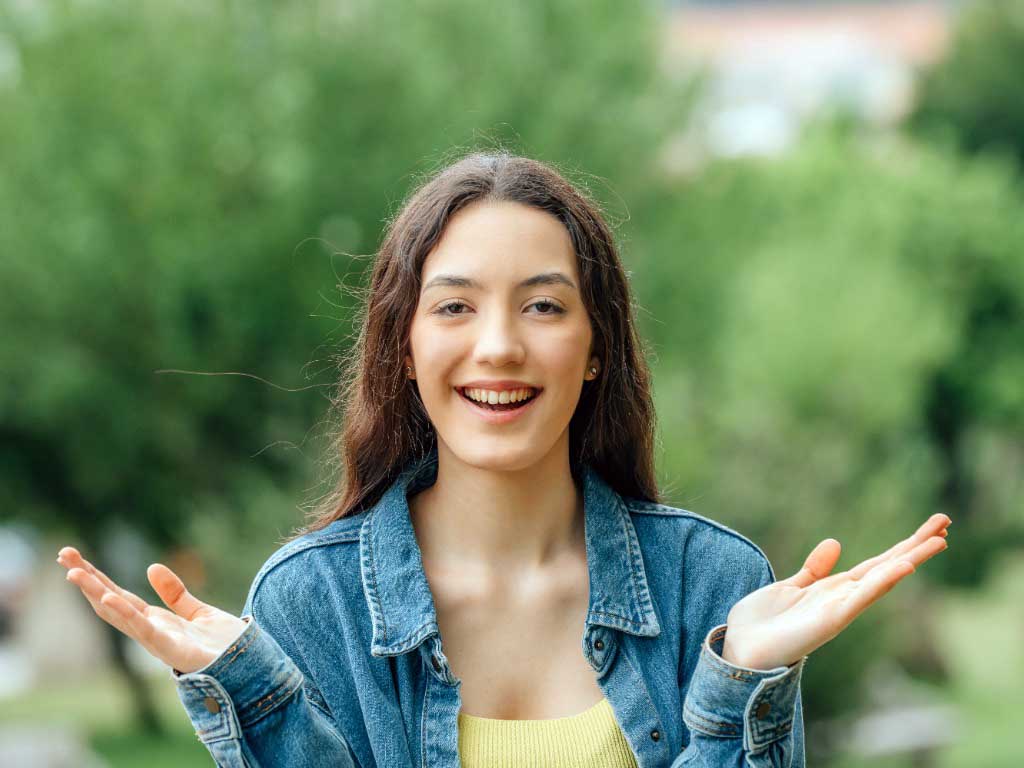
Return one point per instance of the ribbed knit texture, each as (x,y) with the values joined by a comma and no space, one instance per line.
(591,739)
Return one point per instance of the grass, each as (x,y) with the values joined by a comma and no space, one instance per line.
(100,709)
(123,748)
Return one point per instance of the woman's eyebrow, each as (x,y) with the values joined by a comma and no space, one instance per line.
(457,281)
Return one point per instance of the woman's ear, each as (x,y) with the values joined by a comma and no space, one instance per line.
(410,370)
(592,369)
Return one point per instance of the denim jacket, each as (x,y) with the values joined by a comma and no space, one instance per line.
(342,664)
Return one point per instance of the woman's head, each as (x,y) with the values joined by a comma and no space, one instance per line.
(500,311)
(446,300)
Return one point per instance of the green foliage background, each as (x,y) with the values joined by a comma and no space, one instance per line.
(835,333)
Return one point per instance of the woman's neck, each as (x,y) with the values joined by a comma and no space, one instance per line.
(506,524)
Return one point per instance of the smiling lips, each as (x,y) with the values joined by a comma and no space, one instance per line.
(499,406)
(495,396)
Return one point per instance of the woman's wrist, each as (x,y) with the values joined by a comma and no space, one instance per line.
(750,660)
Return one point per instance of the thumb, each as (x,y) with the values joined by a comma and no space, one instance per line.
(818,565)
(172,591)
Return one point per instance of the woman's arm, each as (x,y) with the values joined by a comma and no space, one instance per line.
(742,717)
(743,705)
(739,716)
(252,707)
(245,697)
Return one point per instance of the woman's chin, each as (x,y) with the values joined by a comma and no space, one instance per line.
(493,454)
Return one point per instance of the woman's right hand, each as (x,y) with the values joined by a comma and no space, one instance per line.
(187,638)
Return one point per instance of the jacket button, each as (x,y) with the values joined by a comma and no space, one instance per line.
(436,663)
(655,735)
(211,705)
(599,645)
(762,710)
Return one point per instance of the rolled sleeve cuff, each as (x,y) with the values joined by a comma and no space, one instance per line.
(726,700)
(250,679)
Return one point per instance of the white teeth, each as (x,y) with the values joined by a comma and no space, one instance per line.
(505,396)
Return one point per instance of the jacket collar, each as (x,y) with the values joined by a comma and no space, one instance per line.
(398,595)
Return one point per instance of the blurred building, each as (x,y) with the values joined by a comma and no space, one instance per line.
(48,633)
(771,66)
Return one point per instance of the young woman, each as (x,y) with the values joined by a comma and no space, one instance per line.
(499,493)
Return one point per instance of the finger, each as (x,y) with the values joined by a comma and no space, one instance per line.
(934,525)
(925,551)
(916,555)
(874,586)
(930,527)
(883,578)
(70,557)
(818,565)
(123,615)
(172,591)
(156,641)
(94,591)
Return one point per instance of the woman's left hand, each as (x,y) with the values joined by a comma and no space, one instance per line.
(779,624)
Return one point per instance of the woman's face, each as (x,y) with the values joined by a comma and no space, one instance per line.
(499,311)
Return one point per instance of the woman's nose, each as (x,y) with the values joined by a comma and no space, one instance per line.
(498,342)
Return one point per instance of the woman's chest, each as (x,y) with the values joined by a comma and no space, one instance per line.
(519,656)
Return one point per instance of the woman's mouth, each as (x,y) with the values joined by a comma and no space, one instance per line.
(499,413)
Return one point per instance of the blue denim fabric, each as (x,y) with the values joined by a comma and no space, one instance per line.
(342,662)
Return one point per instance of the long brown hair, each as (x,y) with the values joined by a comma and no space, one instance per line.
(383,422)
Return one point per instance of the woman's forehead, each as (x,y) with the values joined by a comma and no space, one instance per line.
(501,243)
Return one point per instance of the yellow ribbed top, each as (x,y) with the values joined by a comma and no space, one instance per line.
(591,739)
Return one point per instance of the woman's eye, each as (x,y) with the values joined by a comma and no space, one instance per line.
(443,309)
(554,309)
(449,309)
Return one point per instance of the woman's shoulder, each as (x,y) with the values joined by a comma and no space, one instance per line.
(697,536)
(302,557)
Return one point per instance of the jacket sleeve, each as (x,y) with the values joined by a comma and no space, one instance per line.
(742,717)
(252,707)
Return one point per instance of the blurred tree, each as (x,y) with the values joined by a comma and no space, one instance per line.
(974,94)
(837,332)
(973,97)
(809,315)
(181,182)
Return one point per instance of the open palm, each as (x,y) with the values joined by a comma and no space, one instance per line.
(187,637)
(781,623)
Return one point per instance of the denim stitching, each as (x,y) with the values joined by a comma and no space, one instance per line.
(762,736)
(271,706)
(270,699)
(236,653)
(623,619)
(648,507)
(641,595)
(374,592)
(423,726)
(716,726)
(345,537)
